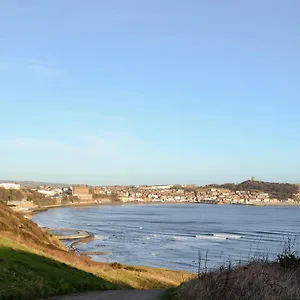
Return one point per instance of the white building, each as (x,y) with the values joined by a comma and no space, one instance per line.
(161,187)
(10,186)
(47,193)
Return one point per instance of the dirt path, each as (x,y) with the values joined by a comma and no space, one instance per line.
(116,295)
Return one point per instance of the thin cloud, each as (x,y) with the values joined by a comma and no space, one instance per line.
(43,68)
(36,67)
(33,144)
(108,143)
(107,154)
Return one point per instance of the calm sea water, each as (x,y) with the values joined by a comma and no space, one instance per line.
(170,236)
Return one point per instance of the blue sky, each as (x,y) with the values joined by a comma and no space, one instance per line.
(133,92)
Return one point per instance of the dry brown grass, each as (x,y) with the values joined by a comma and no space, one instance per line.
(28,236)
(14,225)
(259,280)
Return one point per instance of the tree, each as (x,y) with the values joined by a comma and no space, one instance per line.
(176,187)
(114,197)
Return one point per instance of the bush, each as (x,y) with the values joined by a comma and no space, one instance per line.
(289,260)
(116,265)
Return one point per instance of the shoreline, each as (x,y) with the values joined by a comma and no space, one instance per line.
(83,236)
(30,213)
(80,236)
(277,204)
(91,204)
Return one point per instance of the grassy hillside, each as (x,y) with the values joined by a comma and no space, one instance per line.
(34,263)
(25,193)
(25,275)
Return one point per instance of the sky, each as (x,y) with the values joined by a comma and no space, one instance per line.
(149,92)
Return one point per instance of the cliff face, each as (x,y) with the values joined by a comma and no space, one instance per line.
(25,193)
(24,231)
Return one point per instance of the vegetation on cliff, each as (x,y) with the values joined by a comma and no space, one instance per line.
(28,194)
(276,190)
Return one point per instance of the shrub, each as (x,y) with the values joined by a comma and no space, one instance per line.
(289,260)
(116,265)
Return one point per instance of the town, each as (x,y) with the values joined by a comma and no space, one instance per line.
(51,196)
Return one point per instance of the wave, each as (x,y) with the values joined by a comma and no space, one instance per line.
(210,237)
(227,235)
(100,237)
(180,238)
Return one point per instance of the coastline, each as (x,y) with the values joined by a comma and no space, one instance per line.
(30,213)
(91,204)
(83,236)
(87,237)
(80,236)
(277,204)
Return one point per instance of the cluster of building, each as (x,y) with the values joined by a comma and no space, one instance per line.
(225,196)
(55,192)
(180,193)
(154,193)
(82,192)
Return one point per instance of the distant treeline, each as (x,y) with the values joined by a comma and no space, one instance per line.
(281,191)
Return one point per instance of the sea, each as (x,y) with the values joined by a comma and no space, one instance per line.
(180,236)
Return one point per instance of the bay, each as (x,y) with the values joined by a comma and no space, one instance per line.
(172,236)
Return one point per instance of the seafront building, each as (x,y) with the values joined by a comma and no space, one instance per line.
(154,193)
(82,192)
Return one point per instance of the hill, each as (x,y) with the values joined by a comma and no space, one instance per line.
(34,264)
(25,193)
(281,191)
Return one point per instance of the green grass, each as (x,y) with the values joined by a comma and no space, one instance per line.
(24,275)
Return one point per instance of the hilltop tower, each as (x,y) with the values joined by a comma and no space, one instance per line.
(253,178)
